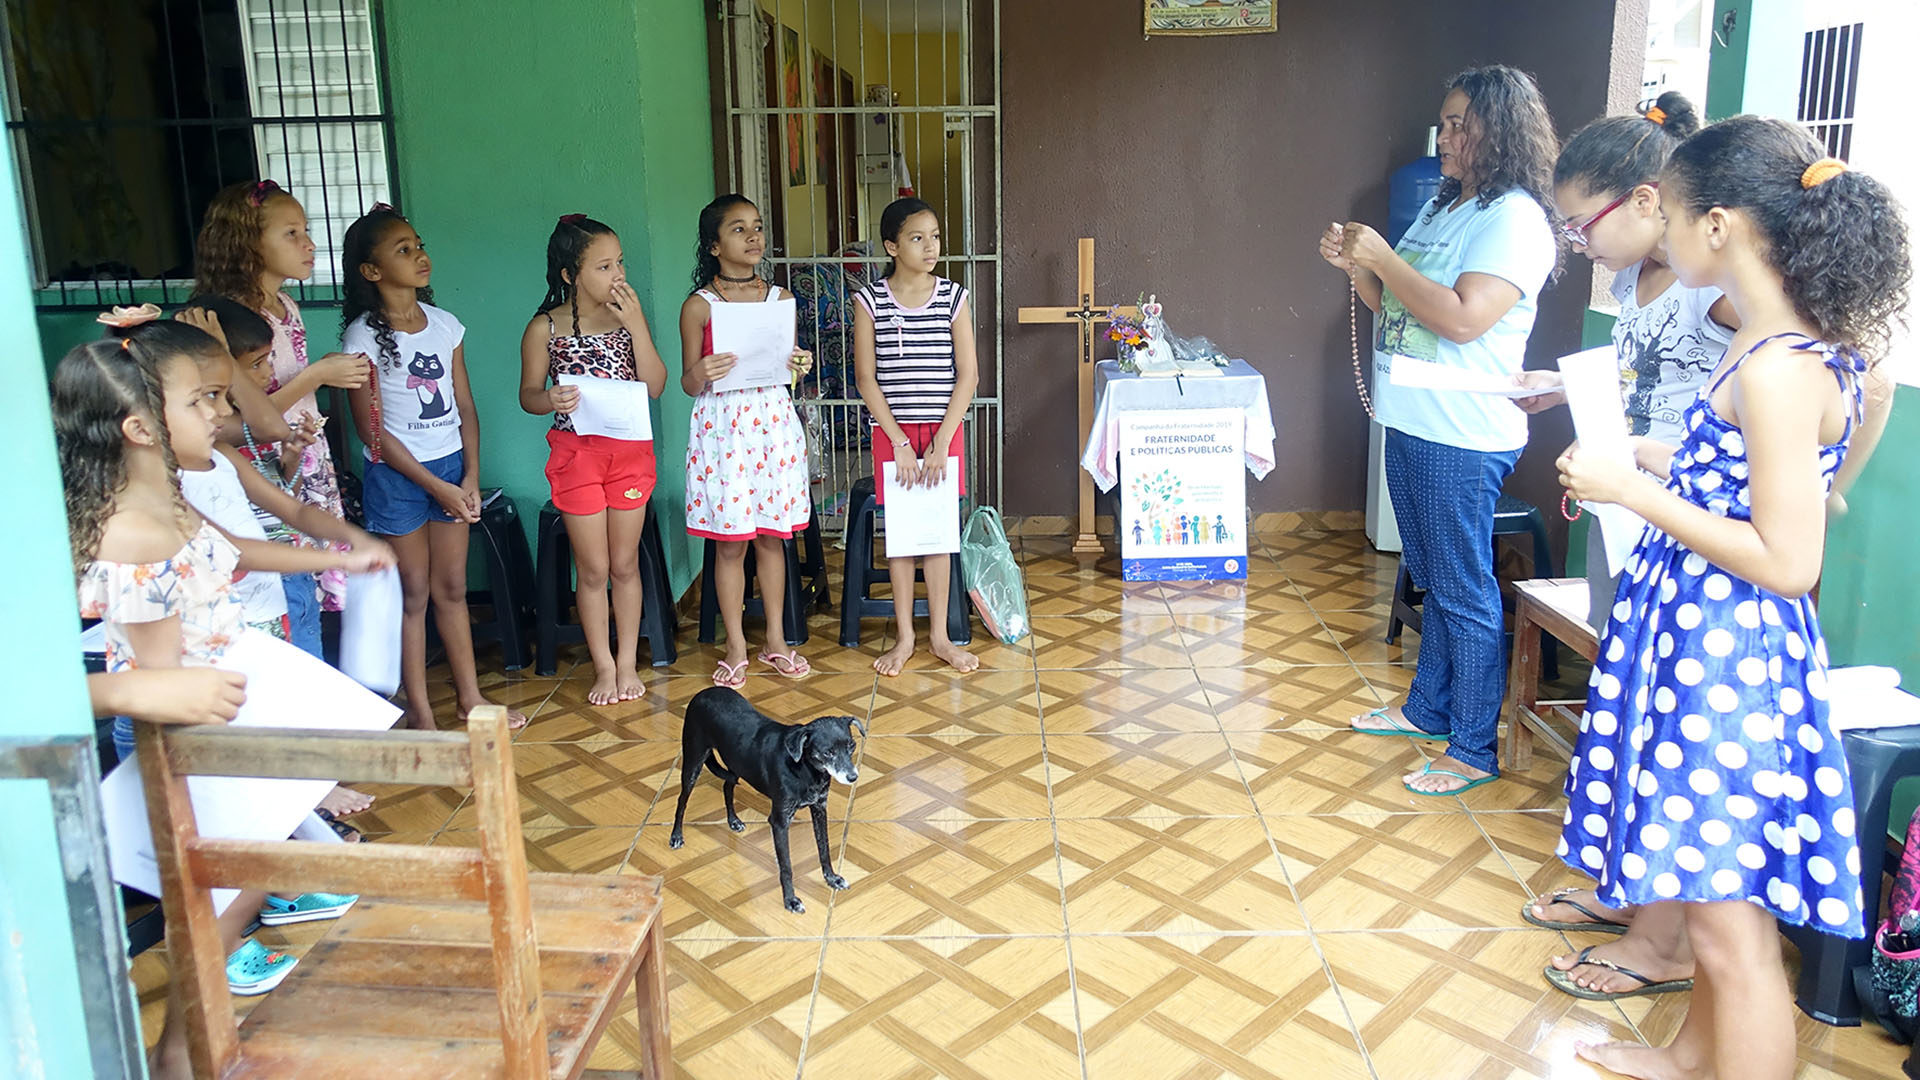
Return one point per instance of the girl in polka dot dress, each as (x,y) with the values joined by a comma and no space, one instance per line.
(1707,771)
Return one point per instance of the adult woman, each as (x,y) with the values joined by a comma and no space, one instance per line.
(1459,290)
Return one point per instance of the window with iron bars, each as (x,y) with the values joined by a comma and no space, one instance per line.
(126,117)
(1829,84)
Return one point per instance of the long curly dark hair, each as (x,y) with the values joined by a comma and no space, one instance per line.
(705,263)
(226,256)
(95,388)
(1514,146)
(566,252)
(358,296)
(1615,154)
(1839,245)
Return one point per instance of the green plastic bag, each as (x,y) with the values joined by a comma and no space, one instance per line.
(993,577)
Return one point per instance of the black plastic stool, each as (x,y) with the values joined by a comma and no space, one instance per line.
(794,607)
(509,591)
(857,601)
(1511,517)
(553,594)
(1876,758)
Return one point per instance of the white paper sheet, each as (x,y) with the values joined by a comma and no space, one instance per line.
(1427,375)
(285,688)
(923,520)
(1869,697)
(1592,382)
(370,630)
(616,408)
(761,336)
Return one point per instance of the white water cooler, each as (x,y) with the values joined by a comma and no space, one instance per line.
(1383,532)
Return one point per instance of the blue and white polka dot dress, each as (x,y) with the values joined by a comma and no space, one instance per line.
(1707,768)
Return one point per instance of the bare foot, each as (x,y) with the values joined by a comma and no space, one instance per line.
(628,683)
(1431,781)
(1548,908)
(894,659)
(343,801)
(515,718)
(606,687)
(956,657)
(419,720)
(1629,952)
(1637,1060)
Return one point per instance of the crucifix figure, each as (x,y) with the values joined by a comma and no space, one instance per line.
(1088,315)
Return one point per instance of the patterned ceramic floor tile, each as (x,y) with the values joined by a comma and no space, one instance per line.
(1266,640)
(1092,598)
(1397,872)
(984,1008)
(595,850)
(1144,776)
(993,655)
(1169,1008)
(1330,771)
(942,778)
(399,808)
(1142,641)
(1124,701)
(983,703)
(738,1009)
(948,879)
(568,717)
(1317,696)
(563,784)
(724,885)
(1267,590)
(1362,635)
(1435,1004)
(1190,876)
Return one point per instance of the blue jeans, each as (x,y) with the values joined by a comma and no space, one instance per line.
(303,612)
(1443,498)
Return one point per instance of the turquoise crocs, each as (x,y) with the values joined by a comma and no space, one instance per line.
(255,969)
(307,907)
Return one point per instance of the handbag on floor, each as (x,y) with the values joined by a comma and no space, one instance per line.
(1890,988)
(993,576)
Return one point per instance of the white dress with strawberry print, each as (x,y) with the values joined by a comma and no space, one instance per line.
(746,459)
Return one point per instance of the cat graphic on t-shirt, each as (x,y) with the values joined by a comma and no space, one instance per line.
(423,378)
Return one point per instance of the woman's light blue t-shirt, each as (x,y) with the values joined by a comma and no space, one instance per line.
(1508,239)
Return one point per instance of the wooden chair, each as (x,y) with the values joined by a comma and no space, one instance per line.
(1527,715)
(455,962)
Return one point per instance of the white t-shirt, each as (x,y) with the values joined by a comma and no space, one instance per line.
(1667,348)
(1508,239)
(417,407)
(217,494)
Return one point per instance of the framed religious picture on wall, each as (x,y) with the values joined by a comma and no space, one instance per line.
(1198,17)
(790,91)
(823,122)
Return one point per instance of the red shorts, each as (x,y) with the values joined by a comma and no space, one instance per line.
(921,436)
(591,473)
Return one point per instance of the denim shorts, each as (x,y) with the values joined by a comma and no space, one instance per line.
(396,506)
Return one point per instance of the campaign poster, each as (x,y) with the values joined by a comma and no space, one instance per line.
(1183,510)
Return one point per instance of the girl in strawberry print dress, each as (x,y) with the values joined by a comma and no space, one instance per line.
(746,450)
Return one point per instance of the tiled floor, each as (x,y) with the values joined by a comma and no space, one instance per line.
(1136,845)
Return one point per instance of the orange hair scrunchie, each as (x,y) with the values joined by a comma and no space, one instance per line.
(1656,114)
(1822,171)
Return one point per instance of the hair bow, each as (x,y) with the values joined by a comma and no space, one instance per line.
(264,190)
(380,206)
(572,219)
(126,318)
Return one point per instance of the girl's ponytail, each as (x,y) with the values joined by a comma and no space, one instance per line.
(1836,237)
(1615,154)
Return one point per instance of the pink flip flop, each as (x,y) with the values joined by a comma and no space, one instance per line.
(731,676)
(790,663)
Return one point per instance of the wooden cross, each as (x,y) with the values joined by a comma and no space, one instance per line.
(1088,315)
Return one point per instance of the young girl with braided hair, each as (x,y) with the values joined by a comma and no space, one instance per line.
(415,415)
(590,324)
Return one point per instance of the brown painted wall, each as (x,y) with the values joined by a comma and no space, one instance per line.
(1206,167)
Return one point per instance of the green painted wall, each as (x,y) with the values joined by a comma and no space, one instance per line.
(1870,586)
(529,118)
(1757,70)
(42,1024)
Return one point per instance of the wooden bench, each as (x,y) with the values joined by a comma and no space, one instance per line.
(455,962)
(1526,714)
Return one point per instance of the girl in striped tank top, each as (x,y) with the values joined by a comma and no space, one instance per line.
(913,358)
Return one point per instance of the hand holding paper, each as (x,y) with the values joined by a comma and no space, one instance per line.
(761,339)
(616,408)
(1599,468)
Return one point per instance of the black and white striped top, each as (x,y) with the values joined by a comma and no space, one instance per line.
(913,350)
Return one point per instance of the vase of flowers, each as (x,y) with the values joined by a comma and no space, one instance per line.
(1130,335)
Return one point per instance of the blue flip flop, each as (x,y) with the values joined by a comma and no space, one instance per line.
(1404,733)
(1431,771)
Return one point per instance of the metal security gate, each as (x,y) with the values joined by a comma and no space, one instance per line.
(834,108)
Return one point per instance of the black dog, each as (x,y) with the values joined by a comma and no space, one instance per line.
(793,765)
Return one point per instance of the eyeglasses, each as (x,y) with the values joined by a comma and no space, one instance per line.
(1577,234)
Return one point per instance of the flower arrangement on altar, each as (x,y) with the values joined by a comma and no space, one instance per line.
(1131,335)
